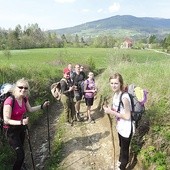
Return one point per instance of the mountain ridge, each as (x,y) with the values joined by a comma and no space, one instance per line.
(137,25)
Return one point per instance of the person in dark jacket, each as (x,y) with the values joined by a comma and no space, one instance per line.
(78,78)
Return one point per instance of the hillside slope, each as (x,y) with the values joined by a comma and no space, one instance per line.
(112,25)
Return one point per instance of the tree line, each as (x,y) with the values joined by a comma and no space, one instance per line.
(31,36)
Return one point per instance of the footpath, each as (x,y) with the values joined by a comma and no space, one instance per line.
(87,146)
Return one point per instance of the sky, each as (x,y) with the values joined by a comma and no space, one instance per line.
(56,14)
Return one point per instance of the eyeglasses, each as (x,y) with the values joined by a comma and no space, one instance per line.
(21,87)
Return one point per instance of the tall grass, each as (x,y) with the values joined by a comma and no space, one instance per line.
(154,76)
(144,68)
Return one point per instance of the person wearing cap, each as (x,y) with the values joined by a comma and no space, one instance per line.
(67,95)
(15,122)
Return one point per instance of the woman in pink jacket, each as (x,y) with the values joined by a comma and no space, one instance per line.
(15,107)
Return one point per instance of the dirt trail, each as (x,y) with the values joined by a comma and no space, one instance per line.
(87,146)
(39,137)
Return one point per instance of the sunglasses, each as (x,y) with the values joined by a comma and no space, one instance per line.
(21,87)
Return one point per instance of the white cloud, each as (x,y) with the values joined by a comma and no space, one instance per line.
(114,8)
(65,1)
(85,10)
(100,10)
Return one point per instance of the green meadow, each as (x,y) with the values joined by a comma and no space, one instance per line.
(145,68)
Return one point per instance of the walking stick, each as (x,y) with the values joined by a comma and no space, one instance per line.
(29,142)
(48,130)
(111,128)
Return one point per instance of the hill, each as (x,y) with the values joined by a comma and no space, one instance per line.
(120,26)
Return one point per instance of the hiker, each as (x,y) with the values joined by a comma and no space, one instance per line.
(14,120)
(78,78)
(82,71)
(71,69)
(123,118)
(89,93)
(67,96)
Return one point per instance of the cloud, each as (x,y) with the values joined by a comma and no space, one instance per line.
(100,10)
(85,10)
(65,1)
(114,8)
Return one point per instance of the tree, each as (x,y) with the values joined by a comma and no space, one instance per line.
(152,39)
(13,40)
(76,41)
(7,53)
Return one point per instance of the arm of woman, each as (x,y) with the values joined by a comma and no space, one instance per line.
(7,110)
(127,111)
(36,108)
(126,105)
(32,109)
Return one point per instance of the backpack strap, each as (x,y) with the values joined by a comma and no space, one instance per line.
(13,100)
(120,102)
(64,80)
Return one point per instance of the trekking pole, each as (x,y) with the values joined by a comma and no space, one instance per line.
(48,130)
(111,129)
(29,142)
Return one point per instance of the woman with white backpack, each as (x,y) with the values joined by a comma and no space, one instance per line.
(123,118)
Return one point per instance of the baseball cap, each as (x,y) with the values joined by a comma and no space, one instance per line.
(66,70)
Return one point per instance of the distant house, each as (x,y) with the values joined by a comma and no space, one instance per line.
(128,43)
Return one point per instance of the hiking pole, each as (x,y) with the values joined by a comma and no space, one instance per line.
(48,130)
(29,142)
(111,128)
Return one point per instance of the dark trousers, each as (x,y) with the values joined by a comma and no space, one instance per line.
(16,136)
(124,144)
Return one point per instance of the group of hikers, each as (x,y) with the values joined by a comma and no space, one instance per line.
(71,88)
(74,86)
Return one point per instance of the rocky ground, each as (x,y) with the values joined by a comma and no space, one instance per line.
(87,146)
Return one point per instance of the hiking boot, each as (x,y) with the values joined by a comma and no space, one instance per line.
(86,118)
(68,123)
(24,167)
(117,165)
(78,117)
(89,120)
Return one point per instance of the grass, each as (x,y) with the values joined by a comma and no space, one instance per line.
(154,76)
(145,68)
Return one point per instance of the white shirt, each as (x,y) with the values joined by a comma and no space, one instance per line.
(123,126)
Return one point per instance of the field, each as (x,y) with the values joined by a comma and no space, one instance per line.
(144,67)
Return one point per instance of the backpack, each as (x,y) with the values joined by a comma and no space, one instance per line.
(138,97)
(5,92)
(56,89)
